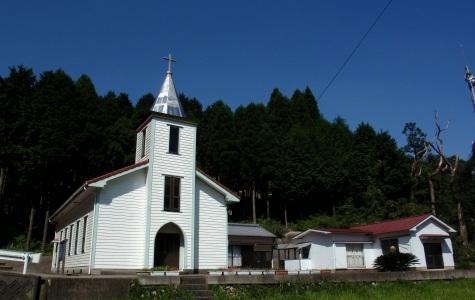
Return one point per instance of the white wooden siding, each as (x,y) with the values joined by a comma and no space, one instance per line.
(182,165)
(120,224)
(79,260)
(212,236)
(138,148)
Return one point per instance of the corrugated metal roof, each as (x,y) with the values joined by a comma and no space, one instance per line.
(389,226)
(241,229)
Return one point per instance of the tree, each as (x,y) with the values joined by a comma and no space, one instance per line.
(417,148)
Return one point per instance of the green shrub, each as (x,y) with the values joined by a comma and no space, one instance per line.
(395,261)
(162,292)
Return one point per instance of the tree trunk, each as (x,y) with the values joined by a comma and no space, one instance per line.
(432,195)
(45,232)
(268,208)
(253,196)
(285,217)
(30,228)
(462,226)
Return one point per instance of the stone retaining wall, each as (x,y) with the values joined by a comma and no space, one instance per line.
(117,286)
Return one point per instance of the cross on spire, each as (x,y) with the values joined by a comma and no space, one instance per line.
(170,60)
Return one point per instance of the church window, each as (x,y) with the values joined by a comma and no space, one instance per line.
(173,141)
(144,134)
(76,238)
(70,238)
(83,242)
(172,193)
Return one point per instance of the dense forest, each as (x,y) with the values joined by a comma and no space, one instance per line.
(292,167)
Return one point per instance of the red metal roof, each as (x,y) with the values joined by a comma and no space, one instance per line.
(118,171)
(403,224)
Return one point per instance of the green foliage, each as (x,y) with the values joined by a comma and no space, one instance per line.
(56,132)
(162,292)
(437,289)
(320,221)
(19,242)
(395,261)
(274,226)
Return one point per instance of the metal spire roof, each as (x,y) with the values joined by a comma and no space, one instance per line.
(167,100)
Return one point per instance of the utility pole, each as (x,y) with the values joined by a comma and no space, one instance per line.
(470,79)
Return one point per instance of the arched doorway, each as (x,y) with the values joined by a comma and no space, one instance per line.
(169,247)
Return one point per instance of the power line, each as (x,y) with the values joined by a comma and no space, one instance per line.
(381,13)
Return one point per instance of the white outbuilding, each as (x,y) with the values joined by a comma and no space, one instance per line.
(160,211)
(425,236)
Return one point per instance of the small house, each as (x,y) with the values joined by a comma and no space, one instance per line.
(357,247)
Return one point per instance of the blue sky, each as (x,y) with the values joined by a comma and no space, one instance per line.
(410,65)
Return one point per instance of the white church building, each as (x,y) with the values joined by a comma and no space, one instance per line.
(160,211)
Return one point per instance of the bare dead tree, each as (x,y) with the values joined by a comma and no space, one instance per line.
(450,166)
(418,157)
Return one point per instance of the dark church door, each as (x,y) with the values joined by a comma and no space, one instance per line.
(433,253)
(167,250)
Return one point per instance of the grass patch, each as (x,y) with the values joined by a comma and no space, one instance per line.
(434,290)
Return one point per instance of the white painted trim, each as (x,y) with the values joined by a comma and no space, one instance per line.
(229,197)
(310,231)
(450,229)
(148,184)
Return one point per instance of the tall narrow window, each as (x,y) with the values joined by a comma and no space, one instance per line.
(70,238)
(172,193)
(83,242)
(174,137)
(76,238)
(144,134)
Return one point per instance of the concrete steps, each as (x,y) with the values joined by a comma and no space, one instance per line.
(197,285)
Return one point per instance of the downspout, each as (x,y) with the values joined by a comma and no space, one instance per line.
(193,262)
(94,234)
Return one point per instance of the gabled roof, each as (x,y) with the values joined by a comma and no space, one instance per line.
(382,227)
(388,226)
(243,229)
(100,181)
(229,195)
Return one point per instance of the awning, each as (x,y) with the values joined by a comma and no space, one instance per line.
(433,236)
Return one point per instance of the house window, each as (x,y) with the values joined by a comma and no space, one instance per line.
(70,238)
(83,242)
(76,238)
(173,141)
(144,134)
(172,193)
(234,256)
(387,244)
(354,255)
